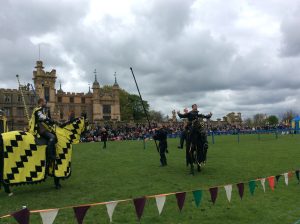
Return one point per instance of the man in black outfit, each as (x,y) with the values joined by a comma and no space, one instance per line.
(104,137)
(193,115)
(41,123)
(161,136)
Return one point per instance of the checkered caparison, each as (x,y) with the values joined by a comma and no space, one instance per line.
(24,161)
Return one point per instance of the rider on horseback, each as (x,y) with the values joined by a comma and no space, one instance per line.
(196,137)
(193,115)
(40,125)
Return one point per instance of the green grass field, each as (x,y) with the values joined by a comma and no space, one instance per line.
(126,170)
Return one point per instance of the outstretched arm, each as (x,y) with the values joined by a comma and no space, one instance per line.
(205,116)
(185,115)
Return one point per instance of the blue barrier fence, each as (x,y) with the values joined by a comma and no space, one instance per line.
(213,134)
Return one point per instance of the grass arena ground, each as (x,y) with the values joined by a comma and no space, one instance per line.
(126,170)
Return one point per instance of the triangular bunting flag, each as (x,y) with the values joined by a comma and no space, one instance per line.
(262,181)
(197,196)
(286,178)
(213,194)
(49,216)
(160,202)
(80,213)
(252,186)
(277,178)
(297,175)
(22,216)
(180,199)
(271,182)
(111,208)
(228,190)
(139,204)
(241,189)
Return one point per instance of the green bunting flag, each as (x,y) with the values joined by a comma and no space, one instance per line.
(252,186)
(197,196)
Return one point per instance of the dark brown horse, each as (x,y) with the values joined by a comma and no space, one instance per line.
(196,145)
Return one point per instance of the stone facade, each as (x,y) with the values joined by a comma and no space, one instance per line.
(100,104)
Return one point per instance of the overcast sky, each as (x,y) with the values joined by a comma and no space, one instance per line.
(236,55)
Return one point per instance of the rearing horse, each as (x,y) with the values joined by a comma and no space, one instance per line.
(23,159)
(196,145)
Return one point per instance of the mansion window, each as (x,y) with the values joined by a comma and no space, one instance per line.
(59,99)
(19,98)
(106,109)
(7,98)
(71,99)
(47,94)
(32,99)
(82,100)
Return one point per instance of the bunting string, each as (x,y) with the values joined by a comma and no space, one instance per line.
(80,210)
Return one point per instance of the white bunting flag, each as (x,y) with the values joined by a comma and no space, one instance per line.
(111,208)
(49,216)
(228,189)
(286,178)
(160,202)
(262,181)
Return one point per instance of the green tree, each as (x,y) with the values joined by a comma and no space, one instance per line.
(131,107)
(259,120)
(156,116)
(248,122)
(273,120)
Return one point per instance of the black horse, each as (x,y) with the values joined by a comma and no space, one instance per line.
(196,145)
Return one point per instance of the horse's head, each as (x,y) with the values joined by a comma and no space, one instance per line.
(75,128)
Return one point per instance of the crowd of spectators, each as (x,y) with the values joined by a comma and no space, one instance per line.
(140,131)
(131,131)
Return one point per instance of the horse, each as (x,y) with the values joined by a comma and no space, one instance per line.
(196,145)
(24,158)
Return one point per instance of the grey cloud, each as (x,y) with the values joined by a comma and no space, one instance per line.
(168,17)
(36,17)
(291,36)
(182,52)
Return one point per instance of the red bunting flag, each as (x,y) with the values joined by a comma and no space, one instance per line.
(180,199)
(213,194)
(241,189)
(22,216)
(271,182)
(139,204)
(80,213)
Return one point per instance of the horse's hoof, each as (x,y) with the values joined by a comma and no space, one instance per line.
(10,194)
